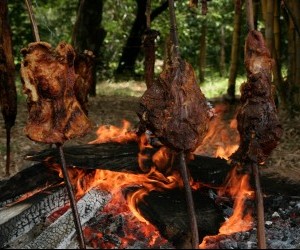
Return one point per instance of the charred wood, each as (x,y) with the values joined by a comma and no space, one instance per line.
(123,158)
(21,217)
(31,178)
(167,211)
(60,233)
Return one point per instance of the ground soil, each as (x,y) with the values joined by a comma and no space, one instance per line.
(113,109)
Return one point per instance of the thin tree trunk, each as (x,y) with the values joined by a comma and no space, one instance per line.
(234,50)
(133,44)
(296,11)
(222,54)
(8,92)
(202,55)
(88,33)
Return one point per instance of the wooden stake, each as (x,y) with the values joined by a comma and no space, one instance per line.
(32,20)
(249,11)
(72,198)
(261,235)
(190,201)
(173,29)
(61,152)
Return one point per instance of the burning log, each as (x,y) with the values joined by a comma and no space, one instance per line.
(166,211)
(60,233)
(37,176)
(8,92)
(21,217)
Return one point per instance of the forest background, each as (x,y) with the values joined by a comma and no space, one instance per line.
(212,42)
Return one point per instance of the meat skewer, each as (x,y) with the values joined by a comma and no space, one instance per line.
(258,123)
(55,116)
(8,92)
(175,110)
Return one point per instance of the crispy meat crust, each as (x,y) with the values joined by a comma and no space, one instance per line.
(48,79)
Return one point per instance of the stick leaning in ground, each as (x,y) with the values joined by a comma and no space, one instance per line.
(54,113)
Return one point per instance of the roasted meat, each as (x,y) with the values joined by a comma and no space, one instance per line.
(48,79)
(258,123)
(175,109)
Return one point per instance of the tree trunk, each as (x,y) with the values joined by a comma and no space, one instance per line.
(277,51)
(132,48)
(8,92)
(222,54)
(234,51)
(88,33)
(202,55)
(295,55)
(270,42)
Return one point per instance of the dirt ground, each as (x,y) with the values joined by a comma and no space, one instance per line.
(112,110)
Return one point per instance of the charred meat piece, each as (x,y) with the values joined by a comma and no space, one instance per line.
(83,65)
(174,108)
(48,79)
(258,123)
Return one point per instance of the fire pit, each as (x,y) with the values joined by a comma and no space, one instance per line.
(38,215)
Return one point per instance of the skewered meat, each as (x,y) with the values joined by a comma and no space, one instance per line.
(258,123)
(174,108)
(48,79)
(83,65)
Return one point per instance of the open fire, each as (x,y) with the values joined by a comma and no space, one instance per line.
(127,190)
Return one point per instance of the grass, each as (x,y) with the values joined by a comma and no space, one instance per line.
(213,87)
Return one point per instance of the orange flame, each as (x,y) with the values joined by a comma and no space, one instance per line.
(114,134)
(221,141)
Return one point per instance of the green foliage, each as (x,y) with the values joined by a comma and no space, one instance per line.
(56,19)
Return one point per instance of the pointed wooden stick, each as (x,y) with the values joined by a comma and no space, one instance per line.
(32,20)
(261,237)
(61,152)
(190,201)
(72,198)
(261,234)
